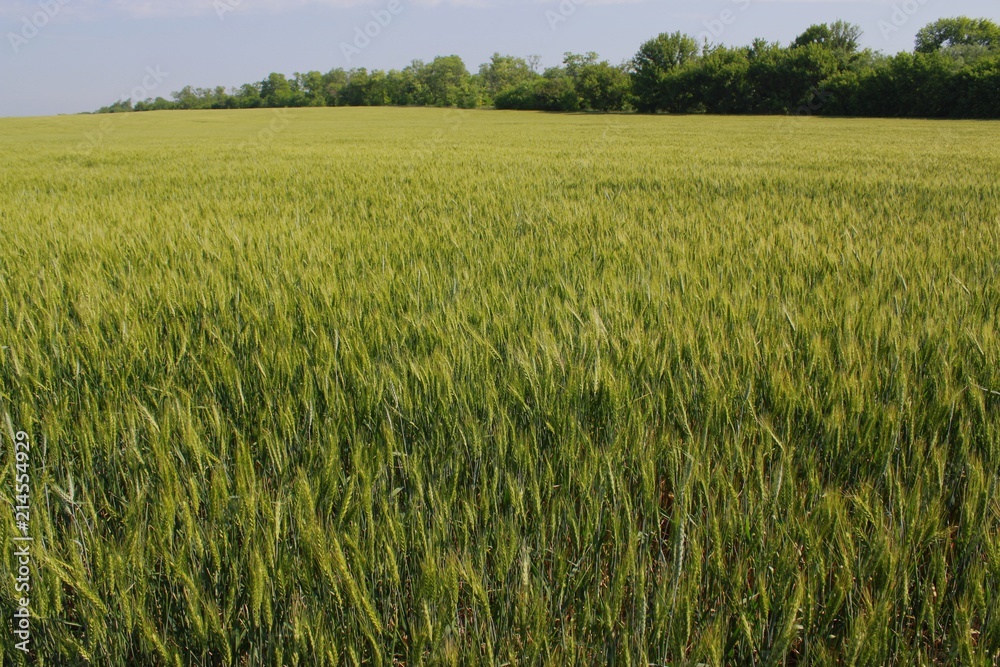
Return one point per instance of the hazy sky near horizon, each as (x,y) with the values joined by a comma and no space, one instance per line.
(67,56)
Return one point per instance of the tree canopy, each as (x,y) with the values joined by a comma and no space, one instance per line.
(960,31)
(953,72)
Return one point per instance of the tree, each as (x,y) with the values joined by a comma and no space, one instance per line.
(789,80)
(221,99)
(334,82)
(397,86)
(121,106)
(920,85)
(312,88)
(446,82)
(248,96)
(720,84)
(503,72)
(355,93)
(555,91)
(599,85)
(814,34)
(654,62)
(190,97)
(159,104)
(979,89)
(377,92)
(552,91)
(276,91)
(953,73)
(957,32)
(839,35)
(413,82)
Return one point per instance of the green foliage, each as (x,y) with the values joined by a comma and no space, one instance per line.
(445,82)
(821,72)
(584,83)
(503,73)
(277,91)
(654,63)
(313,88)
(599,85)
(960,31)
(533,393)
(824,73)
(840,36)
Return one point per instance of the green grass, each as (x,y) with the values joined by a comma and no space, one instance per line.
(428,387)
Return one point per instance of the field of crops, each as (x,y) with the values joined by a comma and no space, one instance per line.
(405,386)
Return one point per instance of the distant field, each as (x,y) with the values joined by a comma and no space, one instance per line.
(409,386)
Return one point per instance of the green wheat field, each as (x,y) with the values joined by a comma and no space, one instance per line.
(430,387)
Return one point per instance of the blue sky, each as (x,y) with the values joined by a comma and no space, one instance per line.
(66,56)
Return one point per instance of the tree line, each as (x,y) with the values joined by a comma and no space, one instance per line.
(952,72)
